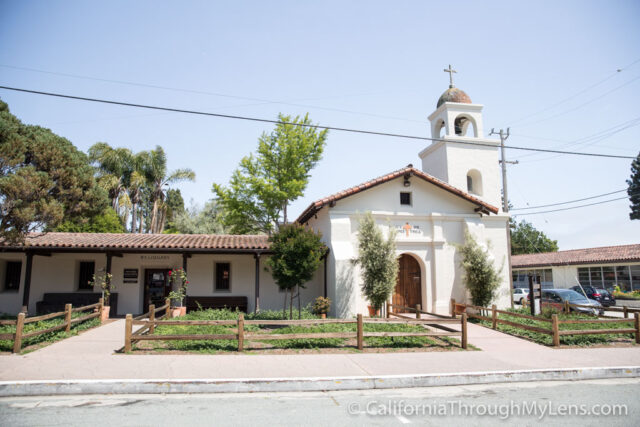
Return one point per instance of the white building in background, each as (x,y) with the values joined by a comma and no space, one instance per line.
(456,190)
(604,268)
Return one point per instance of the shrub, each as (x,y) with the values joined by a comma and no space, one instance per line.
(480,277)
(322,305)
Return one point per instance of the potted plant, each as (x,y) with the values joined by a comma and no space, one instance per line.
(321,307)
(179,282)
(103,280)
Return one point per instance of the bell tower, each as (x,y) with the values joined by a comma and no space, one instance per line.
(459,153)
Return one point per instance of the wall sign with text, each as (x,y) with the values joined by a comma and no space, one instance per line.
(130,275)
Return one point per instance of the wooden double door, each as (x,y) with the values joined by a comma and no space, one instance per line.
(408,290)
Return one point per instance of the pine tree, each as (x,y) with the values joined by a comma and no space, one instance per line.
(634,189)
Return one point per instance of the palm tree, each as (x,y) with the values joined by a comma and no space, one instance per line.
(136,184)
(114,169)
(155,171)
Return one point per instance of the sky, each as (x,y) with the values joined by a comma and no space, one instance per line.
(546,69)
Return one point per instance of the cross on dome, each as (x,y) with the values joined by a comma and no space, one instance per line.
(450,70)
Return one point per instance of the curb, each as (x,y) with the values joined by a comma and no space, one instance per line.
(256,385)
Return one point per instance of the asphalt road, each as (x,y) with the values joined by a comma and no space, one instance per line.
(498,404)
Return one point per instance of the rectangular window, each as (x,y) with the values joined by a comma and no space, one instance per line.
(405,198)
(609,278)
(87,269)
(635,276)
(583,276)
(223,276)
(12,276)
(622,277)
(596,277)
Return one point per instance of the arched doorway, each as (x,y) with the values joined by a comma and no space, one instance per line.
(408,290)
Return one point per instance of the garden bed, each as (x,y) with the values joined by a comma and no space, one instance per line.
(42,340)
(565,340)
(285,346)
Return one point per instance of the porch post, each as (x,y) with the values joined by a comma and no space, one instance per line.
(326,256)
(257,301)
(185,257)
(27,282)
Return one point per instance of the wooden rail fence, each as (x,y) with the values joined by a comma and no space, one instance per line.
(554,322)
(18,336)
(146,332)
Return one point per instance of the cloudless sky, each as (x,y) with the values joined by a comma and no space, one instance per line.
(374,65)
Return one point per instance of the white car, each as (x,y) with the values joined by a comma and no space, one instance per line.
(520,295)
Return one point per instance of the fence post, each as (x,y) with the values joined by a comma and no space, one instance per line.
(625,310)
(152,317)
(167,313)
(17,339)
(463,329)
(67,317)
(418,308)
(100,308)
(555,330)
(637,323)
(452,307)
(360,333)
(128,330)
(567,308)
(494,316)
(241,332)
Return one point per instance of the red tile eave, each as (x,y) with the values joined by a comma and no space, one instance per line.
(319,204)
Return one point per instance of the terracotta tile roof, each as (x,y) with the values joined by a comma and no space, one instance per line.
(136,242)
(603,255)
(410,170)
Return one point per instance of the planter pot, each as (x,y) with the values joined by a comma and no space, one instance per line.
(373,312)
(178,311)
(323,315)
(105,313)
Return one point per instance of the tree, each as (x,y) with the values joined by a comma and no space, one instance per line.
(262,187)
(378,261)
(43,179)
(107,221)
(196,220)
(297,254)
(634,189)
(157,176)
(480,277)
(114,166)
(525,239)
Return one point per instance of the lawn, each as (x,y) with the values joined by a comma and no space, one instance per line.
(290,345)
(569,340)
(38,341)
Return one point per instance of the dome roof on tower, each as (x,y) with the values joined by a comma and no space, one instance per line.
(453,94)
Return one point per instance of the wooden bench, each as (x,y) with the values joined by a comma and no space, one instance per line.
(217,302)
(54,302)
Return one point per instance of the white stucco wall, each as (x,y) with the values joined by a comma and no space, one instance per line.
(441,219)
(59,273)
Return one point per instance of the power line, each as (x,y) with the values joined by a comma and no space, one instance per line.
(571,201)
(588,88)
(340,129)
(260,101)
(573,207)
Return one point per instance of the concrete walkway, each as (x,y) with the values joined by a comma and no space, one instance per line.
(91,356)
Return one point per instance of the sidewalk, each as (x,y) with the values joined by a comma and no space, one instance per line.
(90,356)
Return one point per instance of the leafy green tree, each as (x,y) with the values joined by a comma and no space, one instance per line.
(264,184)
(107,221)
(481,279)
(114,166)
(525,239)
(196,220)
(43,179)
(297,254)
(634,189)
(158,177)
(378,261)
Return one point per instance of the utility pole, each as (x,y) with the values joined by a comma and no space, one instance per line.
(505,197)
(503,137)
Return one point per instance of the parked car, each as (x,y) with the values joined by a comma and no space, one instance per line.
(556,297)
(520,294)
(603,296)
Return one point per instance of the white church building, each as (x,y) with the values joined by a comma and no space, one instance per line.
(456,189)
